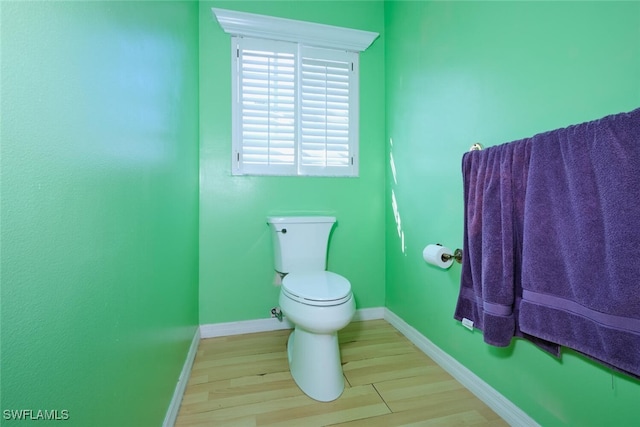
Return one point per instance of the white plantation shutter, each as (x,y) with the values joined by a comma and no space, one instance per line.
(328,90)
(266,106)
(295,109)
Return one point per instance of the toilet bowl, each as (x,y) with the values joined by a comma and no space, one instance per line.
(319,304)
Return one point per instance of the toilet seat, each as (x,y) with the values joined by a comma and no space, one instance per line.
(317,288)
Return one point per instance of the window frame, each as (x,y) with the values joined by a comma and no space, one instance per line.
(345,161)
(325,39)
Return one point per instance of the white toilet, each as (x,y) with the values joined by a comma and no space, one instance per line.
(318,302)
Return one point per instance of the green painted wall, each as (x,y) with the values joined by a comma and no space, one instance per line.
(99,208)
(493,72)
(236,256)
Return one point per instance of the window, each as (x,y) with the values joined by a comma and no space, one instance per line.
(295,109)
(295,101)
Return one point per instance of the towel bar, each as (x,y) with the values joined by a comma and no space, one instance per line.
(476,147)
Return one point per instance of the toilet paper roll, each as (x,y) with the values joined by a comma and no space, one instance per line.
(433,255)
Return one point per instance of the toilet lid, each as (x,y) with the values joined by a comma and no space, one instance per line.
(319,286)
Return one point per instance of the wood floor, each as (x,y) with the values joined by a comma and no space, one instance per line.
(244,380)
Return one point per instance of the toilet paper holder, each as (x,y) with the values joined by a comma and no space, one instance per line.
(457,255)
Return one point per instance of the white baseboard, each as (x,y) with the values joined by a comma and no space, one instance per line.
(176,400)
(369,314)
(513,415)
(213,330)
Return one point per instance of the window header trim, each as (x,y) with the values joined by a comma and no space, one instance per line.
(307,33)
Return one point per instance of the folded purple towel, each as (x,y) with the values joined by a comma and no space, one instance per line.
(490,287)
(581,239)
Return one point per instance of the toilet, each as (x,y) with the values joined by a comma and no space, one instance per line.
(318,302)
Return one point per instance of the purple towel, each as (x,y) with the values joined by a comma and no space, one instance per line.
(490,287)
(581,240)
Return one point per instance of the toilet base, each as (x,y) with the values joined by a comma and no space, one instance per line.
(314,362)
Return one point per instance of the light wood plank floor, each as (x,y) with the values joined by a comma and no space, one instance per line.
(244,380)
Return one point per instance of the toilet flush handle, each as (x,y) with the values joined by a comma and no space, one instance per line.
(283,231)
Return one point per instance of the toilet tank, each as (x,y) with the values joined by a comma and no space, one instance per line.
(300,242)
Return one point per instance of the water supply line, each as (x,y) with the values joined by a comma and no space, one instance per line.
(277,313)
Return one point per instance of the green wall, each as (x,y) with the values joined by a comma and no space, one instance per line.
(236,256)
(99,209)
(493,72)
